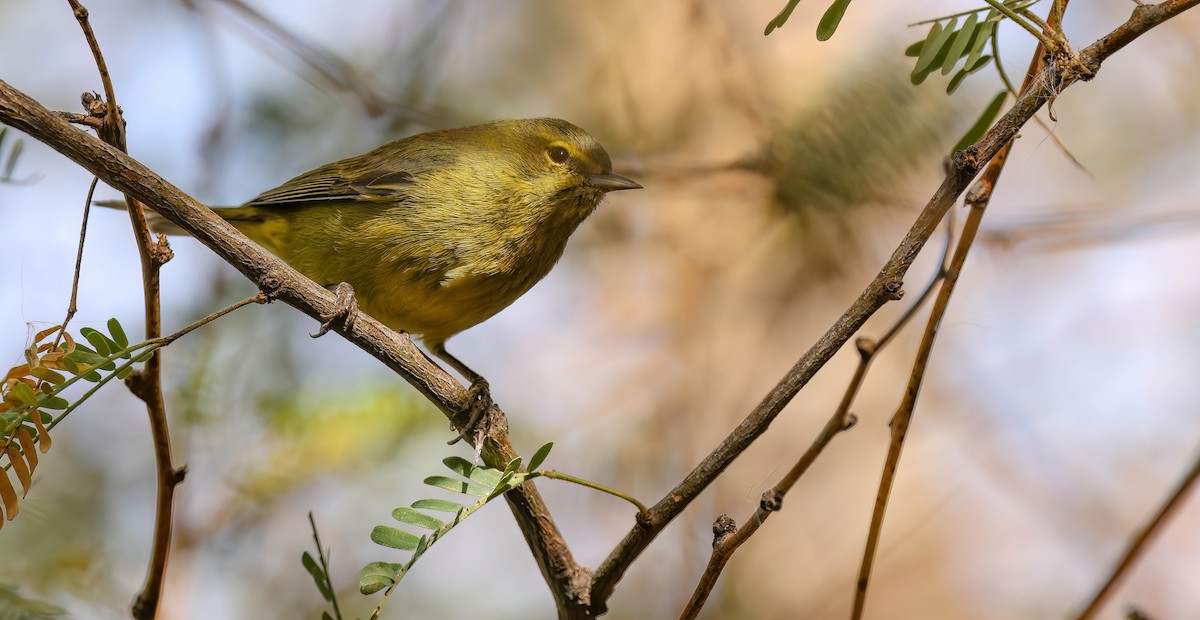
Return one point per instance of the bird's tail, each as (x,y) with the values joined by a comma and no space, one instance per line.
(157,223)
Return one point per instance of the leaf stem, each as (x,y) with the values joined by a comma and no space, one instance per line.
(1022,22)
(557,475)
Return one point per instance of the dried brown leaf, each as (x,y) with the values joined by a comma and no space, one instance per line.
(43,434)
(21,468)
(8,495)
(16,372)
(48,375)
(26,440)
(53,360)
(45,333)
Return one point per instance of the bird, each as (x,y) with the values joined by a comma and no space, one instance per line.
(435,233)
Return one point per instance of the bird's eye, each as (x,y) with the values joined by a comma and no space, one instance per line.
(558,154)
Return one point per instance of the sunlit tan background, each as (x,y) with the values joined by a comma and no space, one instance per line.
(1061,405)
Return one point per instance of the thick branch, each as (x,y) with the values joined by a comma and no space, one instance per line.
(274,277)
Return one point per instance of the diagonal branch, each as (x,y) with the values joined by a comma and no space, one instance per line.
(727,542)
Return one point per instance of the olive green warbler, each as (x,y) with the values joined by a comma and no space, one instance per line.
(439,231)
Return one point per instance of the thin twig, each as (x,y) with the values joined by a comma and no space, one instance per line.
(95,122)
(995,42)
(557,475)
(841,420)
(337,612)
(147,383)
(1139,542)
(168,339)
(72,306)
(901,421)
(977,199)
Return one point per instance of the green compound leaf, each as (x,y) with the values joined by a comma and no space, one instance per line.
(24,393)
(439,505)
(457,486)
(935,44)
(419,519)
(394,538)
(47,375)
(487,476)
(963,73)
(118,333)
(538,457)
(458,465)
(958,46)
(983,122)
(53,402)
(378,575)
(830,20)
(483,475)
(981,39)
(781,18)
(98,340)
(318,575)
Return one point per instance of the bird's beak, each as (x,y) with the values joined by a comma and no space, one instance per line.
(611,182)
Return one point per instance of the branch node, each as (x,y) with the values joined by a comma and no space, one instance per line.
(894,289)
(772,501)
(268,287)
(849,421)
(161,252)
(966,161)
(644,520)
(723,528)
(137,384)
(178,475)
(94,105)
(866,347)
(1072,67)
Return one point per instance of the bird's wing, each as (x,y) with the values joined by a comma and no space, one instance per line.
(330,184)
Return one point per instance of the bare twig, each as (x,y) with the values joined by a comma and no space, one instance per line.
(72,306)
(978,199)
(95,122)
(1140,541)
(147,383)
(168,339)
(841,420)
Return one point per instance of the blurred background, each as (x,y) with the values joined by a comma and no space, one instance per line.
(1060,406)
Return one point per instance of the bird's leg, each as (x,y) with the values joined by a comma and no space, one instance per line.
(345,311)
(479,396)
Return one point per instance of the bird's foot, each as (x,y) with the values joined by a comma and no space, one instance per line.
(479,404)
(345,311)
